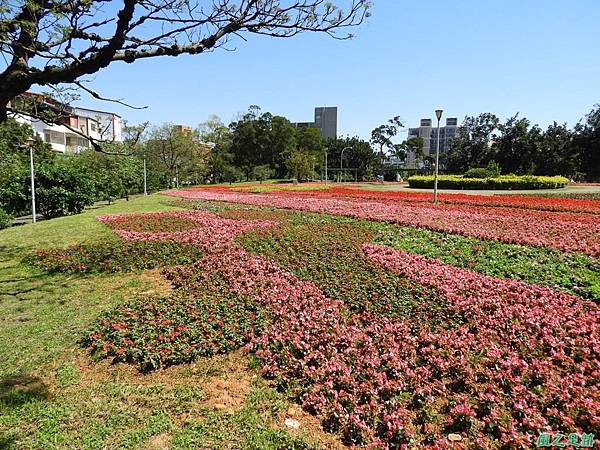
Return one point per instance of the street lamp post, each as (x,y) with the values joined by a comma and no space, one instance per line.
(30,142)
(342,161)
(438,114)
(145,177)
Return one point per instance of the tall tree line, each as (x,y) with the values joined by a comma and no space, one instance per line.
(522,148)
(259,145)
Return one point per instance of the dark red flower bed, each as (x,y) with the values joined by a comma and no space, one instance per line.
(114,256)
(149,222)
(158,332)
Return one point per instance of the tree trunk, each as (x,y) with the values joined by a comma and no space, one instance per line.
(3,114)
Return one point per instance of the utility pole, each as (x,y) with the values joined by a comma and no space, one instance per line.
(438,114)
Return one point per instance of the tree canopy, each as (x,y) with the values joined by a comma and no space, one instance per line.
(522,148)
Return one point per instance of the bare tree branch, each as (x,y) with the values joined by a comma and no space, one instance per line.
(99,97)
(56,42)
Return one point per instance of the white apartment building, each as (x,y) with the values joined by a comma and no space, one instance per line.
(428,132)
(99,125)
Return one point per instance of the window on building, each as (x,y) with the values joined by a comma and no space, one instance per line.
(54,137)
(92,126)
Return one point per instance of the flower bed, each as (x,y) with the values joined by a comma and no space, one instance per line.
(521,363)
(311,243)
(114,256)
(572,272)
(526,360)
(153,222)
(497,361)
(161,331)
(564,231)
(330,255)
(200,228)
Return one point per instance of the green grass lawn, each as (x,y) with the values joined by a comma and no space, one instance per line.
(52,395)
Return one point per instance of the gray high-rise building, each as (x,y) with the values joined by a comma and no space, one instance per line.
(325,121)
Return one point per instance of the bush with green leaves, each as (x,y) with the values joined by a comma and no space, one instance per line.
(63,187)
(15,178)
(503,182)
(491,171)
(5,219)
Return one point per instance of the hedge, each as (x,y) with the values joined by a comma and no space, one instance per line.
(503,182)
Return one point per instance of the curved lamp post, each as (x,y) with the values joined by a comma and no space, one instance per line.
(438,114)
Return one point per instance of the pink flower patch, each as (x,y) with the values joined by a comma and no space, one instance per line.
(210,232)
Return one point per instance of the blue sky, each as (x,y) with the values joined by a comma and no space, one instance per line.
(540,58)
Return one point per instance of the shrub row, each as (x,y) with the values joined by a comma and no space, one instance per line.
(504,182)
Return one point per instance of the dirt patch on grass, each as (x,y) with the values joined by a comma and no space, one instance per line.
(155,278)
(159,442)
(18,389)
(310,428)
(229,390)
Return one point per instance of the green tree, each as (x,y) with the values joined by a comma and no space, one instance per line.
(251,140)
(471,147)
(262,173)
(283,143)
(310,140)
(361,157)
(63,186)
(556,154)
(300,164)
(382,137)
(177,152)
(310,143)
(586,142)
(217,136)
(414,146)
(517,145)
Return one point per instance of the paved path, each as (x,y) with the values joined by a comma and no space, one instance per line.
(403,187)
